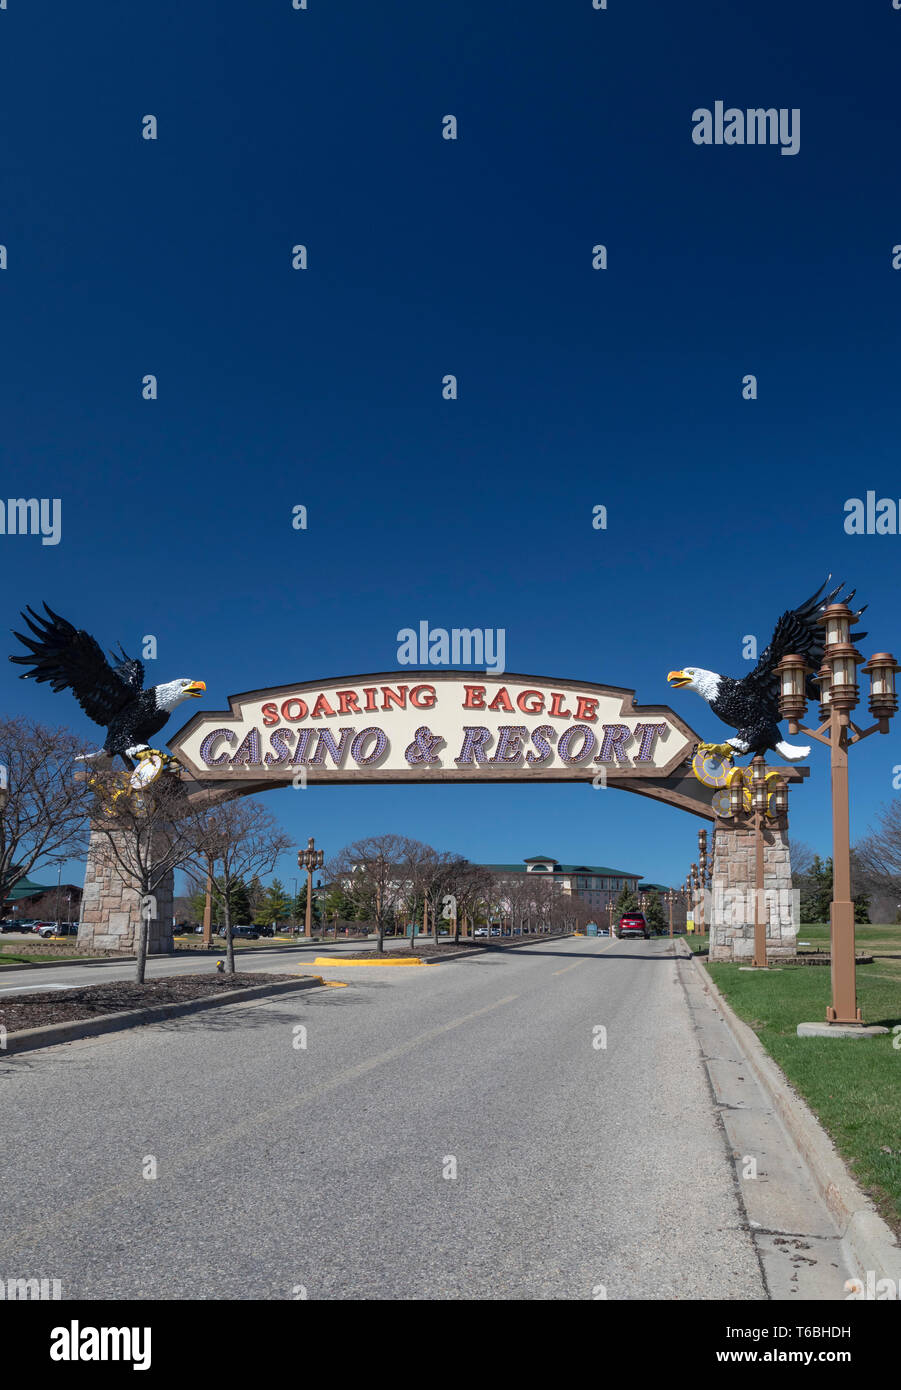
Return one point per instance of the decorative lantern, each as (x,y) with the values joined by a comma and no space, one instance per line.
(841,657)
(836,619)
(881,670)
(792,672)
(824,680)
(736,791)
(780,797)
(843,661)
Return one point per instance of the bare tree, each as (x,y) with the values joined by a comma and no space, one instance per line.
(375,874)
(801,859)
(44,805)
(876,864)
(243,838)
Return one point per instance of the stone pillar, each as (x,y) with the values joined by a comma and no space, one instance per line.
(111,909)
(731,901)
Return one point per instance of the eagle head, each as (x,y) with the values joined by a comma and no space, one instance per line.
(170,694)
(703,683)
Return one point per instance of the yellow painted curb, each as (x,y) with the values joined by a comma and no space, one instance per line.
(335,984)
(342,964)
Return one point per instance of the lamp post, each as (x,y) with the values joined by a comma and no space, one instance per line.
(838,697)
(669,898)
(695,881)
(703,874)
(310,859)
(767,802)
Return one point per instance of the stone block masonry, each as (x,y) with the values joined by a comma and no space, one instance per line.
(731,901)
(111,908)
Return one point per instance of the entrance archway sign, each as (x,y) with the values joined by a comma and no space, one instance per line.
(426,726)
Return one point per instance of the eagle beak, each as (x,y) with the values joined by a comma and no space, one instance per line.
(677,678)
(196,688)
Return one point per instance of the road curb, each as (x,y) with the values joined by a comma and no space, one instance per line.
(869,1241)
(27,1039)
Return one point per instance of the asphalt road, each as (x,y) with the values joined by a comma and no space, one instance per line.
(327,1171)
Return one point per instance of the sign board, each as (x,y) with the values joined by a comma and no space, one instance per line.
(424,726)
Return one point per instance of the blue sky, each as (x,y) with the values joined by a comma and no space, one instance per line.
(576,387)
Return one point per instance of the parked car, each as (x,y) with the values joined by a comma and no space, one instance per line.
(480,931)
(633,924)
(64,929)
(241,933)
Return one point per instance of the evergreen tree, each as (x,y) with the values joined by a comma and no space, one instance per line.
(625,903)
(338,900)
(654,915)
(196,906)
(237,897)
(816,892)
(298,907)
(275,906)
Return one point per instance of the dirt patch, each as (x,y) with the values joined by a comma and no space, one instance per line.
(66,1005)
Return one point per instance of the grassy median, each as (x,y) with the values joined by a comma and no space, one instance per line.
(853,1086)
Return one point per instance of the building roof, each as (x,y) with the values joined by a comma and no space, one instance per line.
(563,868)
(26,889)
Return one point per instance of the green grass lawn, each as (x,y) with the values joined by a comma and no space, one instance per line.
(854,1087)
(871,938)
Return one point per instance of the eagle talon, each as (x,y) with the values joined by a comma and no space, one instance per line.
(719,750)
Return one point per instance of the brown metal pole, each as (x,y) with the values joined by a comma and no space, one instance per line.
(843,1008)
(760,914)
(308,925)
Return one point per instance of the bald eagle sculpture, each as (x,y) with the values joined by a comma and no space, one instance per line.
(112,695)
(751,705)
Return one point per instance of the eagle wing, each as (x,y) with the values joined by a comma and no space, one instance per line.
(128,669)
(70,659)
(799,633)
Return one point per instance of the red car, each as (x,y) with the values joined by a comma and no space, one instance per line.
(633,924)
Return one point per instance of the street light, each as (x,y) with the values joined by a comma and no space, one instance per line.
(839,695)
(703,873)
(695,881)
(310,859)
(669,898)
